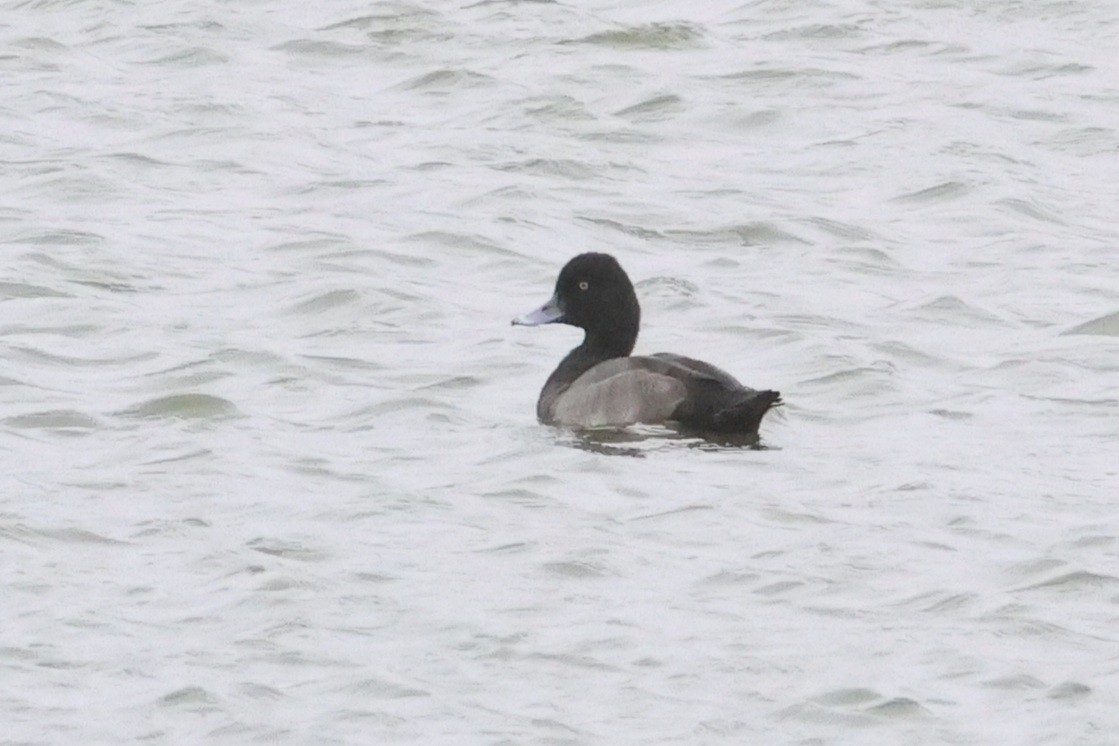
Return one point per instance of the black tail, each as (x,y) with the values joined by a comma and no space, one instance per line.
(745,415)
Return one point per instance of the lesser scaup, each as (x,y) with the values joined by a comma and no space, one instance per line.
(599,385)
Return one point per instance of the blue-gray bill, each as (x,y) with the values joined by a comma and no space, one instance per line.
(549,313)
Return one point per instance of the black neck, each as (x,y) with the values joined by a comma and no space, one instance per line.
(593,351)
(607,343)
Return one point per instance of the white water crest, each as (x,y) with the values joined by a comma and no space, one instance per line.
(270,466)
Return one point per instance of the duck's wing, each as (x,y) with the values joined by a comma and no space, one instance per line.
(698,368)
(619,392)
(717,401)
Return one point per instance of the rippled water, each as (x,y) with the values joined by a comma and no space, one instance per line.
(271,469)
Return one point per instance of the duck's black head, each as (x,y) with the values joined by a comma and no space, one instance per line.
(593,293)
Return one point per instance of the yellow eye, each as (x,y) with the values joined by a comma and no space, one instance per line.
(584,285)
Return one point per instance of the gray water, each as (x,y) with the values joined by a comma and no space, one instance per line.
(270,467)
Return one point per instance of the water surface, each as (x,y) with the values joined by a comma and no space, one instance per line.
(271,471)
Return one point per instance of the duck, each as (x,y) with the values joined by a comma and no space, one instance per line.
(600,384)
